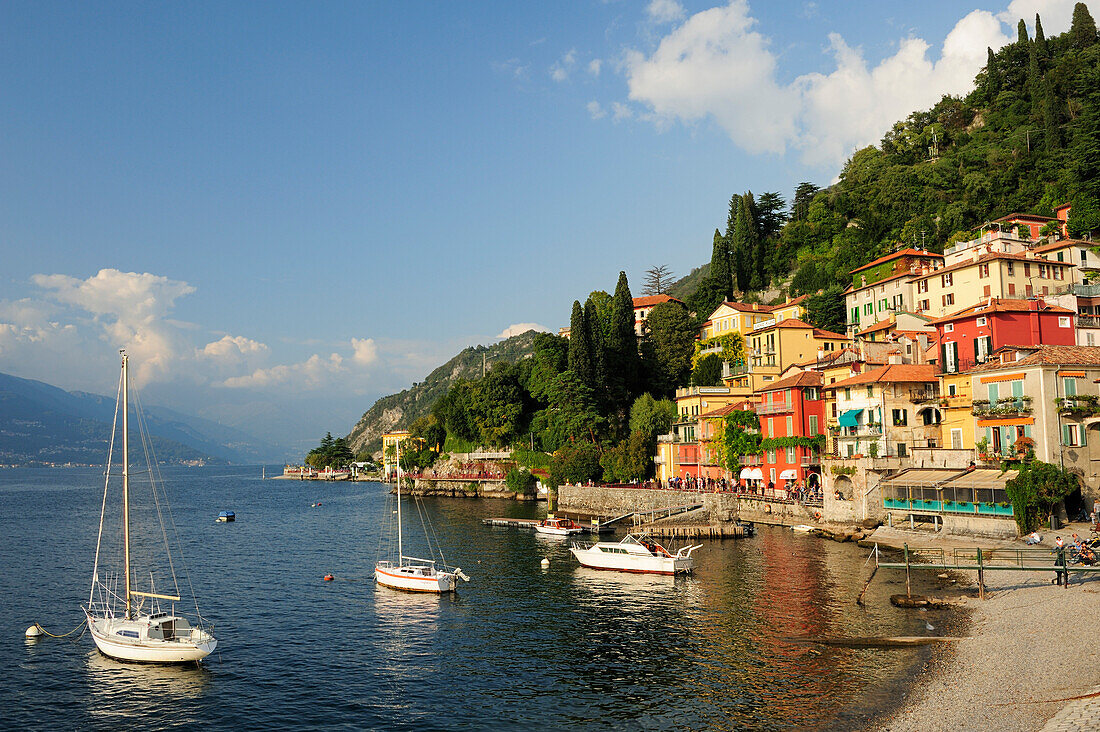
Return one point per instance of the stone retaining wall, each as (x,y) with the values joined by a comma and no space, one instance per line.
(468,489)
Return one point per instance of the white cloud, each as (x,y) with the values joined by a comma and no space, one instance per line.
(365,351)
(716,65)
(1055,14)
(594,66)
(620,111)
(561,68)
(517,328)
(310,374)
(664,11)
(595,111)
(513,67)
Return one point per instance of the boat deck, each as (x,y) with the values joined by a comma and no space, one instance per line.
(522,523)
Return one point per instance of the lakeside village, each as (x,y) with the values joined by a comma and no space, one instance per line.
(953,369)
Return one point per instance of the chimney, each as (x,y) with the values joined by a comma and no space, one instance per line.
(756,306)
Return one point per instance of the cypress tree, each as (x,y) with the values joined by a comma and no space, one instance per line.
(992,76)
(624,363)
(1082,31)
(580,354)
(1040,39)
(1021,33)
(1034,80)
(753,245)
(720,266)
(597,348)
(739,247)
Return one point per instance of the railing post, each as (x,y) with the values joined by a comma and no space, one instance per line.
(981,576)
(908,592)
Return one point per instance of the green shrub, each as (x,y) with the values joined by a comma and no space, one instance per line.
(520,480)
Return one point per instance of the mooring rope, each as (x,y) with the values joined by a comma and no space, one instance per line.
(66,635)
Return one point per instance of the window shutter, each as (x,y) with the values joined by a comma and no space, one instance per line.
(1065,434)
(976,354)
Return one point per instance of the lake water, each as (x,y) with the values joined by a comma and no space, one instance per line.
(519,646)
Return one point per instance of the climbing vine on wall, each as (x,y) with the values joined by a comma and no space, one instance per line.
(741,437)
(733,347)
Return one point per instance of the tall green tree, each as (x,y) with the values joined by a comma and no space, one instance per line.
(623,347)
(652,416)
(720,270)
(1082,30)
(672,333)
(581,361)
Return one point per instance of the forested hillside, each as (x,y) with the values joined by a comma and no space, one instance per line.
(1025,140)
(398,411)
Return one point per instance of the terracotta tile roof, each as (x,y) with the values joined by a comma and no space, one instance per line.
(1027,217)
(723,411)
(881,325)
(1049,355)
(989,258)
(895,373)
(897,255)
(1001,305)
(805,378)
(649,300)
(819,333)
(1062,244)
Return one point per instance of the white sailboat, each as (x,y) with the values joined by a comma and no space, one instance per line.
(414,574)
(126,623)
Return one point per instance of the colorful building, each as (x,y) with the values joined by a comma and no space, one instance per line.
(886,412)
(882,288)
(971,335)
(994,274)
(793,407)
(644,305)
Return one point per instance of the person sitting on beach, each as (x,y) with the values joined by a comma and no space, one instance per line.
(1034,538)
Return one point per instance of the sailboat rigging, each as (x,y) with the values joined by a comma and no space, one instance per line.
(120,623)
(414,574)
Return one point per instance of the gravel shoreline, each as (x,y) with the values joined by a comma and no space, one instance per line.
(1031,646)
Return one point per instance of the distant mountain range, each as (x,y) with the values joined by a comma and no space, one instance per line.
(400,410)
(41,424)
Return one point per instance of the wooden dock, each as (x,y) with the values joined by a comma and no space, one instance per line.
(521,523)
(721,531)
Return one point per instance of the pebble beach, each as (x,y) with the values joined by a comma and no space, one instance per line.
(1030,661)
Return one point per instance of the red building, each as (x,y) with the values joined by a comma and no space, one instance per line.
(970,336)
(792,407)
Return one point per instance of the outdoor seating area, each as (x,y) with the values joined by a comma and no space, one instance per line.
(978,491)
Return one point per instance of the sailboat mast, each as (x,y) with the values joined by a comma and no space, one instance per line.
(126,476)
(400,548)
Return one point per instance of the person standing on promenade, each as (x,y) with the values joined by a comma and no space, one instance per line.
(1060,574)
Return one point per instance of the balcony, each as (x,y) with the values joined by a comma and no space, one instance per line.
(808,460)
(1086,290)
(919,396)
(1014,407)
(1085,405)
(751,460)
(774,408)
(1088,321)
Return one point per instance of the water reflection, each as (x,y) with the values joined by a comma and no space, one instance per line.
(126,691)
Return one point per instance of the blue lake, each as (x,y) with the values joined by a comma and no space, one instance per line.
(519,646)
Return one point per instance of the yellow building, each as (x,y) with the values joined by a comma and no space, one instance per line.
(985,275)
(739,317)
(772,347)
(957,429)
(390,441)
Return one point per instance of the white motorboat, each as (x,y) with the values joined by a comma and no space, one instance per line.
(558,527)
(635,553)
(803,528)
(402,572)
(120,623)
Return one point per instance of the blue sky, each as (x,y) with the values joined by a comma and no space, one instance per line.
(287,210)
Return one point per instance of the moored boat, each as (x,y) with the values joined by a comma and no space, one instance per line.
(226,517)
(558,527)
(122,625)
(636,553)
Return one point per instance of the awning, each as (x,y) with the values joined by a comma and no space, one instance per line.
(757,474)
(789,474)
(746,473)
(848,418)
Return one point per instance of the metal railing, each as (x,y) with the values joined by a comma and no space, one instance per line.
(1088,321)
(774,408)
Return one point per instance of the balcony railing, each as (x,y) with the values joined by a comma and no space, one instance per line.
(1088,321)
(1013,407)
(918,396)
(1086,290)
(1082,406)
(808,460)
(750,460)
(773,408)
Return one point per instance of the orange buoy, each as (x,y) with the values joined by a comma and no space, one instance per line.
(329,578)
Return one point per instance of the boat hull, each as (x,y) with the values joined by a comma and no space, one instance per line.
(633,563)
(149,651)
(555,531)
(438,583)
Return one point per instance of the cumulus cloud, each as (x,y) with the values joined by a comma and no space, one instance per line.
(716,65)
(595,111)
(517,328)
(561,68)
(664,11)
(594,66)
(365,351)
(311,373)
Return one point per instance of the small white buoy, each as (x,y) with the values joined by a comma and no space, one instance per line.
(34,631)
(545,564)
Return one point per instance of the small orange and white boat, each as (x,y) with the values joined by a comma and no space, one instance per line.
(558,527)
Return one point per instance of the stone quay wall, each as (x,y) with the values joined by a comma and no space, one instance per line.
(468,489)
